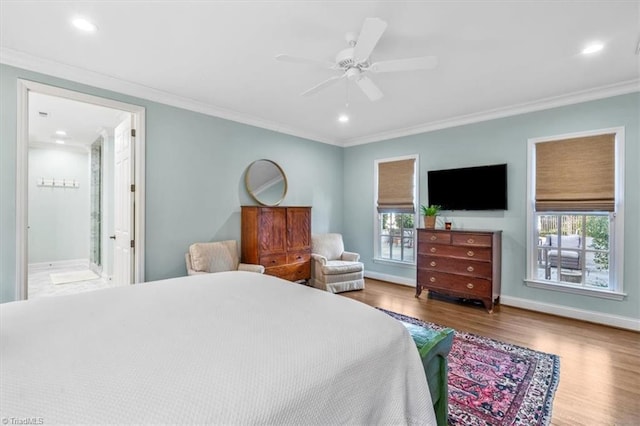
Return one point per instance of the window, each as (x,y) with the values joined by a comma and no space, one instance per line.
(574,219)
(395,209)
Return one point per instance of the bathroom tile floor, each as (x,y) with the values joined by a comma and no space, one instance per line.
(40,284)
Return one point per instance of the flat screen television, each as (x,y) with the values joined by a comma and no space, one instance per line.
(469,188)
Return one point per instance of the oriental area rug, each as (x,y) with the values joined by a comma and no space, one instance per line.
(496,383)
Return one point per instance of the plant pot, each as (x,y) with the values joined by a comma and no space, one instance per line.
(429,222)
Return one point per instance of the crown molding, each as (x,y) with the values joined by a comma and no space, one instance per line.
(23,60)
(80,75)
(602,92)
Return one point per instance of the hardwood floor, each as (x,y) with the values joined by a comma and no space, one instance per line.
(599,365)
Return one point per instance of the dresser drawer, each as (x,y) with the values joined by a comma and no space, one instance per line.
(477,253)
(458,285)
(434,237)
(458,266)
(291,272)
(474,240)
(299,256)
(273,260)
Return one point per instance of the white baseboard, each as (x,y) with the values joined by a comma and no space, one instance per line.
(574,313)
(532,305)
(410,282)
(58,264)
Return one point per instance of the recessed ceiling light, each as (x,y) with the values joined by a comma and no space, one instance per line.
(61,133)
(60,141)
(592,48)
(84,25)
(343,118)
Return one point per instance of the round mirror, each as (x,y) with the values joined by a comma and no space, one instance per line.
(266,182)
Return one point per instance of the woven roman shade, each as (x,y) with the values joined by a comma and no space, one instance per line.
(576,174)
(396,181)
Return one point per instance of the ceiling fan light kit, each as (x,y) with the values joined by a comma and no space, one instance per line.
(353,62)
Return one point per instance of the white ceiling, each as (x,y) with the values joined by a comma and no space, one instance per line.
(82,122)
(217,57)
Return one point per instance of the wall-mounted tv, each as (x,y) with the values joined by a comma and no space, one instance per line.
(469,188)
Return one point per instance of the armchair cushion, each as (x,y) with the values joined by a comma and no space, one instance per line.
(214,257)
(337,267)
(328,245)
(568,241)
(570,254)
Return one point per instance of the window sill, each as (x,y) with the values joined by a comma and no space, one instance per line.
(567,288)
(394,263)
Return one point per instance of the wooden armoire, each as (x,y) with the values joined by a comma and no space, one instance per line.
(278,238)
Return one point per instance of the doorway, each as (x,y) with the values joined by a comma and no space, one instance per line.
(66,190)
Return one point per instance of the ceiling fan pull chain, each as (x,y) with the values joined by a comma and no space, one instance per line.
(346,85)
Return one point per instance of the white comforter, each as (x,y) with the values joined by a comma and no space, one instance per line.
(227,348)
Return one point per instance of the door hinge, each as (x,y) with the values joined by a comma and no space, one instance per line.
(133,244)
(133,133)
(133,187)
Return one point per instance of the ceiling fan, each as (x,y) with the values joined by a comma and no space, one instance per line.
(353,62)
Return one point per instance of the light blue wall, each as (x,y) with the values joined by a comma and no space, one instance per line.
(503,141)
(194,177)
(58,217)
(195,170)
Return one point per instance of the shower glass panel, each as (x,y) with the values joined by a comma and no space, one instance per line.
(95,245)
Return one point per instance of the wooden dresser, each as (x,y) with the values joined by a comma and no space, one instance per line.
(278,238)
(460,263)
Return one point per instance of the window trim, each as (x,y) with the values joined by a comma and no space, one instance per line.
(376,235)
(616,252)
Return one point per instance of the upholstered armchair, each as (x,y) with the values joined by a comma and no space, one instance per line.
(570,251)
(332,268)
(205,258)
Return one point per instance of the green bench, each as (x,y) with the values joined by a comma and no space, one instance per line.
(434,346)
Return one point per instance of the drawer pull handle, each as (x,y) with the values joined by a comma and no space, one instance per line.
(433,263)
(470,268)
(470,253)
(471,241)
(469,286)
(432,279)
(273,261)
(299,257)
(433,249)
(433,238)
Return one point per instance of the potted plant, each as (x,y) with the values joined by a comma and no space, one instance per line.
(430,213)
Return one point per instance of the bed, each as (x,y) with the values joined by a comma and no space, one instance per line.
(225,348)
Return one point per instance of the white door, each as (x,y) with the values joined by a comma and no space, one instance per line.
(123,203)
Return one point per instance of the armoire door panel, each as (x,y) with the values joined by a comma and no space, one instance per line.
(298,228)
(272,231)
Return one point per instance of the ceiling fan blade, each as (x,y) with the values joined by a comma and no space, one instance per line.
(369,35)
(409,64)
(299,60)
(369,88)
(322,85)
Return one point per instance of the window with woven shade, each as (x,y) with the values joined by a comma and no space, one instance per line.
(575,214)
(396,186)
(395,209)
(576,174)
